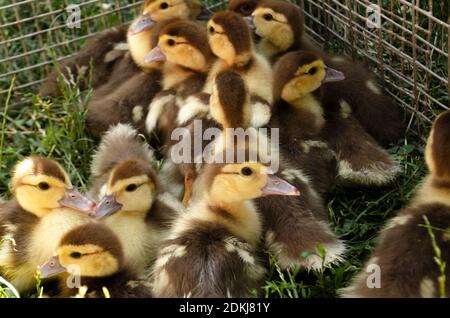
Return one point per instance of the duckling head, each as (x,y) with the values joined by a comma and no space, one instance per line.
(437,152)
(162,10)
(90,250)
(183,43)
(230,38)
(299,73)
(131,188)
(236,182)
(41,185)
(278,22)
(229,102)
(243,7)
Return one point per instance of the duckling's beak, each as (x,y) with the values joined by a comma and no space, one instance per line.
(107,206)
(205,14)
(250,22)
(155,55)
(277,186)
(52,267)
(144,22)
(333,75)
(75,200)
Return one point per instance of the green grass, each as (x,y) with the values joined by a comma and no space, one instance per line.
(56,128)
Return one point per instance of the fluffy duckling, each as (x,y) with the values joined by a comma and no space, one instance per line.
(404,262)
(292,225)
(93,255)
(44,207)
(230,40)
(133,205)
(243,7)
(280,25)
(300,109)
(211,249)
(183,47)
(118,53)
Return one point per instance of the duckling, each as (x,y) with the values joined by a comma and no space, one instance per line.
(211,249)
(183,46)
(93,254)
(404,262)
(299,78)
(243,7)
(292,225)
(117,53)
(280,25)
(132,203)
(230,40)
(45,205)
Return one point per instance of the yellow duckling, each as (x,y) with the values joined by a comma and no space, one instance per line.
(90,257)
(44,207)
(211,251)
(132,203)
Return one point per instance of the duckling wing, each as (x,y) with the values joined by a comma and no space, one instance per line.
(93,52)
(205,261)
(361,160)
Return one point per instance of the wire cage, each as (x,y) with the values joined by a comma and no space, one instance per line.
(404,41)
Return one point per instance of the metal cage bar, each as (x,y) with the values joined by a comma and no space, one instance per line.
(409,51)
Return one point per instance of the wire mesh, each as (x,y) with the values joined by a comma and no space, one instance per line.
(409,51)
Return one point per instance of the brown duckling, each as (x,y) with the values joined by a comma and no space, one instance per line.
(132,203)
(44,207)
(280,25)
(404,262)
(211,249)
(92,257)
(230,40)
(299,80)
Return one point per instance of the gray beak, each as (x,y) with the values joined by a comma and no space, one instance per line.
(250,22)
(155,55)
(277,186)
(143,23)
(52,267)
(75,200)
(107,206)
(333,75)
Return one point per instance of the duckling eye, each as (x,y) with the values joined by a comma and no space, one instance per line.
(43,186)
(312,71)
(246,171)
(268,17)
(131,187)
(75,255)
(164,5)
(170,42)
(211,29)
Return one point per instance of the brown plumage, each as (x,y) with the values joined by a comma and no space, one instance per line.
(378,114)
(230,40)
(360,159)
(102,52)
(98,254)
(211,251)
(405,257)
(243,7)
